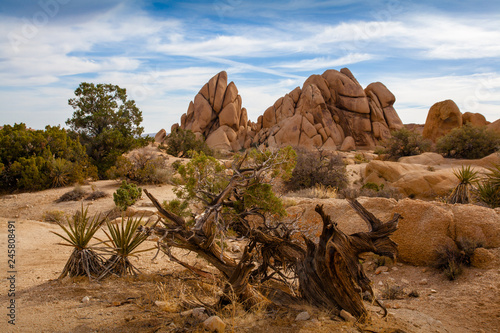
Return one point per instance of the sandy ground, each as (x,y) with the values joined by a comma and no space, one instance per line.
(131,304)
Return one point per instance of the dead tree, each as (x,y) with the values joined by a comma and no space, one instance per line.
(327,273)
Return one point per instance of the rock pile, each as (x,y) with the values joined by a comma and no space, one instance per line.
(329,111)
(216,115)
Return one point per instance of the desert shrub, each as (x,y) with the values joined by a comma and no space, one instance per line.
(38,159)
(371,191)
(74,195)
(451,260)
(462,192)
(56,216)
(126,195)
(405,143)
(97,194)
(468,142)
(391,291)
(182,143)
(319,191)
(142,167)
(317,168)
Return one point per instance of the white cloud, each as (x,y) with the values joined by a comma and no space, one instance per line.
(324,63)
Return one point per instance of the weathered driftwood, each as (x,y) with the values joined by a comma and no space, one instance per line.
(328,272)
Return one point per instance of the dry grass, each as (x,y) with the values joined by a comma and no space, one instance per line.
(317,192)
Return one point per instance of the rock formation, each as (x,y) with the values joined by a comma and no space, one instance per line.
(217,117)
(327,110)
(441,119)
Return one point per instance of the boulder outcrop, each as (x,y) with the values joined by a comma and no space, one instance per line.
(217,116)
(328,109)
(441,119)
(424,229)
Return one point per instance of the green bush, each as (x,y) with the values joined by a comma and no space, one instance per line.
(405,143)
(317,168)
(182,143)
(141,167)
(126,195)
(40,159)
(468,142)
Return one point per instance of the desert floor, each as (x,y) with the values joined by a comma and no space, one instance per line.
(152,301)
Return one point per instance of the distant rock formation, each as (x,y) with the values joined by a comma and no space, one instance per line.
(328,110)
(217,117)
(445,116)
(441,119)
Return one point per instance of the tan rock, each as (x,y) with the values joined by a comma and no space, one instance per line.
(494,126)
(424,158)
(289,134)
(231,94)
(422,231)
(483,225)
(229,116)
(483,258)
(160,136)
(202,113)
(218,140)
(384,96)
(475,119)
(269,117)
(392,118)
(441,119)
(348,144)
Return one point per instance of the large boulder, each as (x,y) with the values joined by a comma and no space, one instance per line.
(332,107)
(216,115)
(441,119)
(475,119)
(415,180)
(425,227)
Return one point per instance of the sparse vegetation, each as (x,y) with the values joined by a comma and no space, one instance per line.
(469,142)
(80,229)
(452,259)
(142,167)
(56,216)
(126,195)
(405,143)
(182,143)
(462,192)
(75,194)
(94,195)
(372,190)
(317,168)
(123,238)
(319,191)
(392,291)
(488,190)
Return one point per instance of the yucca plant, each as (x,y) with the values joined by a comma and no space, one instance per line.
(489,189)
(78,234)
(124,238)
(466,177)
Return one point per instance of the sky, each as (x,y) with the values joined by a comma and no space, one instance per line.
(163,52)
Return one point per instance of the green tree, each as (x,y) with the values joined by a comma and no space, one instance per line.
(107,123)
(183,143)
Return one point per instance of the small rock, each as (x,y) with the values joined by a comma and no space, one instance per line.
(399,264)
(160,303)
(381,269)
(423,282)
(424,270)
(347,316)
(86,299)
(380,283)
(404,281)
(214,324)
(433,291)
(394,268)
(390,279)
(303,316)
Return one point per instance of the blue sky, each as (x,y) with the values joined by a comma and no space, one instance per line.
(163,52)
